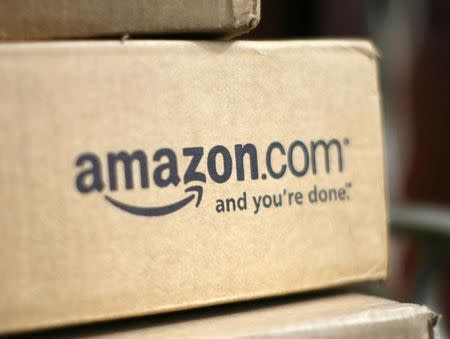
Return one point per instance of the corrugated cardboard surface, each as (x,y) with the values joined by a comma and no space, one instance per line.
(70,257)
(333,317)
(49,19)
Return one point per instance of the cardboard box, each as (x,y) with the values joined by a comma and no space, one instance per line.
(50,19)
(151,176)
(332,317)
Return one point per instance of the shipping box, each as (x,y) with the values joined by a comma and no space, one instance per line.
(50,19)
(343,316)
(151,176)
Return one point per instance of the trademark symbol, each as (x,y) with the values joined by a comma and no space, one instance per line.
(346,141)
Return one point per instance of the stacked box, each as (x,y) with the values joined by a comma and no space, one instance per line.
(152,176)
(62,19)
(333,317)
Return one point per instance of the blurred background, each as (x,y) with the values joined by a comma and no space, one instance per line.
(413,38)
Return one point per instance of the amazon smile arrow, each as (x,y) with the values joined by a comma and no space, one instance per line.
(161,210)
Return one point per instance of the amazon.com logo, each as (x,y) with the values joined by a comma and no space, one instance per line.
(222,164)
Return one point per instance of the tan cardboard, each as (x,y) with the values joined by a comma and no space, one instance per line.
(332,317)
(150,176)
(50,19)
